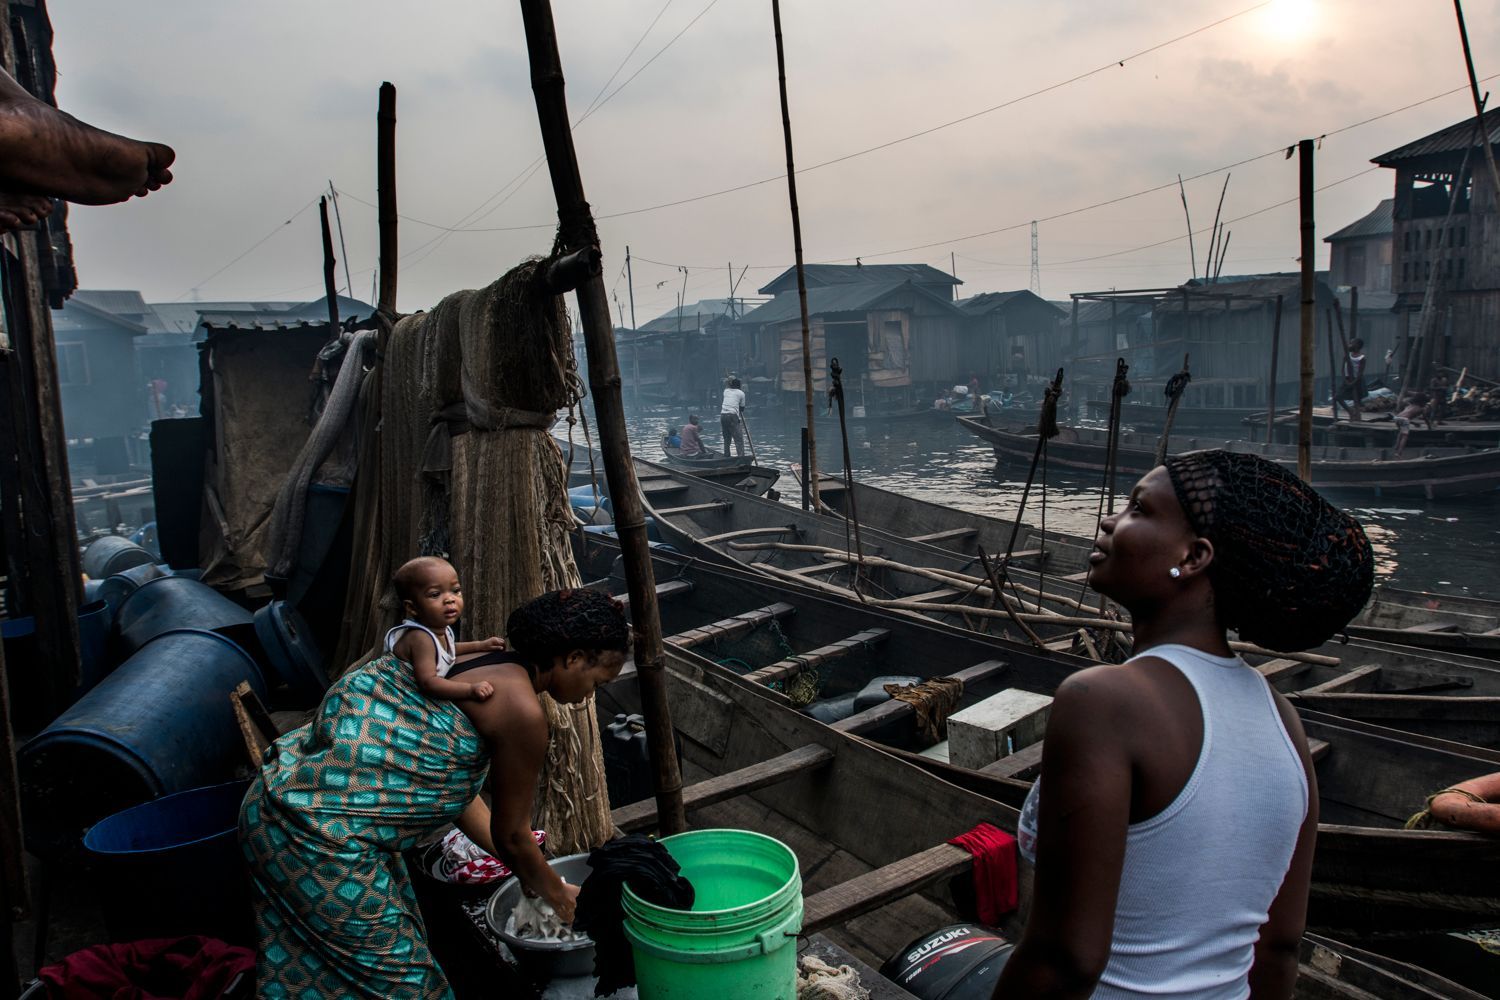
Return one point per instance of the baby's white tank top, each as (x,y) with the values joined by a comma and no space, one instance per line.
(444,655)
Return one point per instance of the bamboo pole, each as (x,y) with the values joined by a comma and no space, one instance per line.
(1271,385)
(1333,388)
(1192,254)
(836,377)
(385,165)
(1309,324)
(330,280)
(810,467)
(1484,136)
(576,232)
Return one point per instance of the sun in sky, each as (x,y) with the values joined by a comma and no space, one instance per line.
(1290,20)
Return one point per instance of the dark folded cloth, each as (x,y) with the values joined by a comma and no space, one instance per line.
(652,874)
(190,968)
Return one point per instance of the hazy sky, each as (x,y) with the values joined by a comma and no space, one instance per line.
(267,101)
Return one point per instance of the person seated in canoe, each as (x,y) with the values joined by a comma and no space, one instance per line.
(692,438)
(382,767)
(433,601)
(673,438)
(1173,823)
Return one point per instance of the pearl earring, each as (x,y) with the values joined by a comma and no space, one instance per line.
(1174,572)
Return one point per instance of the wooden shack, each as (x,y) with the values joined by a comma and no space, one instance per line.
(1012,335)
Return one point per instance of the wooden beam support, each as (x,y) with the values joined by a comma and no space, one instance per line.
(792,665)
(818,569)
(725,536)
(878,716)
(695,508)
(642,815)
(1356,680)
(1278,670)
(944,536)
(664,591)
(841,903)
(729,628)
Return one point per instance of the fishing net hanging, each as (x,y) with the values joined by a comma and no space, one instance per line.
(1289,569)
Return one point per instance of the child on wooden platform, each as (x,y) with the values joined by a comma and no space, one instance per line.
(433,601)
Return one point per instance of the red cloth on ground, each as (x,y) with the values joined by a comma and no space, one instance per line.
(190,968)
(996,887)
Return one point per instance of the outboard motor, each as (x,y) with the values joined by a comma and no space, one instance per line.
(958,962)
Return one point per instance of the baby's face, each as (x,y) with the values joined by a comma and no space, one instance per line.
(439,601)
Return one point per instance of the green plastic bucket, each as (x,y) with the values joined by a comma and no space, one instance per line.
(738,942)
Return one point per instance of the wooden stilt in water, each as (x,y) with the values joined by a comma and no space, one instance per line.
(330,269)
(385,166)
(577,232)
(810,464)
(1309,322)
(1271,383)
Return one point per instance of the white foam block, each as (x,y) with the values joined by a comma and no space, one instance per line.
(981,734)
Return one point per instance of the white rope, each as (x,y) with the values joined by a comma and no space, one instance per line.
(817,980)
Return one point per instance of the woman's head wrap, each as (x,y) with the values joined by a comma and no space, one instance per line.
(559,622)
(1290,569)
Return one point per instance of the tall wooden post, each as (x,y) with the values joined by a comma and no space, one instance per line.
(1271,383)
(810,472)
(1484,136)
(577,232)
(1309,320)
(330,281)
(385,166)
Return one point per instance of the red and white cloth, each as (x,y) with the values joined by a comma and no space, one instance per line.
(466,863)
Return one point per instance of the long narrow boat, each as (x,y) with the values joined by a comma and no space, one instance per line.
(1149,418)
(1429,473)
(1371,779)
(1377,430)
(1430,622)
(871,887)
(1433,692)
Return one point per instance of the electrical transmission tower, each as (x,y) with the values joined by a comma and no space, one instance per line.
(1036,265)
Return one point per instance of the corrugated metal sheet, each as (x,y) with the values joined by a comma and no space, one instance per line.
(846,274)
(837,299)
(1380,222)
(987,302)
(1454,139)
(129,305)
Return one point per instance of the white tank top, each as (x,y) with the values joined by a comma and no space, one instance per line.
(1199,877)
(444,653)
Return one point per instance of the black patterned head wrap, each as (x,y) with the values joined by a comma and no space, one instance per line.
(1290,569)
(557,623)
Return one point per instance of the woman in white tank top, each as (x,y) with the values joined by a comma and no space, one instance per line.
(1173,824)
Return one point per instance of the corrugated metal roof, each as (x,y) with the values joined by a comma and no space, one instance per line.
(1454,139)
(846,274)
(693,315)
(78,314)
(1380,222)
(127,304)
(987,302)
(836,299)
(1100,312)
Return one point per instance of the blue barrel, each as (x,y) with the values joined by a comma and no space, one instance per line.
(94,621)
(110,554)
(160,723)
(173,866)
(176,602)
(291,653)
(114,589)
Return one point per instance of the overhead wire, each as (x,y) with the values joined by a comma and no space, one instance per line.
(249,250)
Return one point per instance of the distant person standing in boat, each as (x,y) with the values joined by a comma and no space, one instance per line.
(692,438)
(1415,407)
(1354,378)
(732,417)
(1172,827)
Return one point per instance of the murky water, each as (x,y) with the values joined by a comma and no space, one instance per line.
(1447,546)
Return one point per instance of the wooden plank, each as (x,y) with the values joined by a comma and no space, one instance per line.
(813,570)
(724,536)
(696,508)
(1020,764)
(941,594)
(728,628)
(816,657)
(879,716)
(874,889)
(664,591)
(943,536)
(1358,679)
(642,815)
(1318,749)
(1280,670)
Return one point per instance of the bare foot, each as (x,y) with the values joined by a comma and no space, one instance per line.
(22,211)
(50,152)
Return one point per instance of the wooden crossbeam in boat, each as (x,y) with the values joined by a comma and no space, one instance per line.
(1026,762)
(696,508)
(940,594)
(669,487)
(877,716)
(1359,679)
(827,567)
(642,815)
(1275,671)
(944,536)
(783,669)
(665,591)
(841,903)
(724,536)
(728,628)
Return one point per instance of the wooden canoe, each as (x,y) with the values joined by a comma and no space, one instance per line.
(662,480)
(1429,472)
(1430,622)
(750,762)
(1373,877)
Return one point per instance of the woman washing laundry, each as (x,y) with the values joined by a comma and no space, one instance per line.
(1172,827)
(381,767)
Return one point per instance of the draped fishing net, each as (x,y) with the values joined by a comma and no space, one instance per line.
(1290,569)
